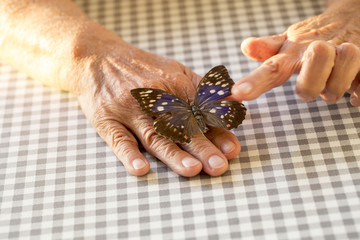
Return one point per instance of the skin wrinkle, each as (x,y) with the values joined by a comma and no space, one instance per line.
(120,138)
(202,145)
(151,140)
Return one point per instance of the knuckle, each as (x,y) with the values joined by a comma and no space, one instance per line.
(121,140)
(272,65)
(320,49)
(278,69)
(100,121)
(115,135)
(201,145)
(149,135)
(157,143)
(320,45)
(348,50)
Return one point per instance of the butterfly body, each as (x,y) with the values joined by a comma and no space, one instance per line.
(199,118)
(178,120)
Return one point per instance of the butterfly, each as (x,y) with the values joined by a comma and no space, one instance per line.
(179,121)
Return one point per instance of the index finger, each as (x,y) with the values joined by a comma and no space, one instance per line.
(272,73)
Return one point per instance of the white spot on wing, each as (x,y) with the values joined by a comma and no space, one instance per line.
(212,91)
(221,92)
(160,108)
(148,91)
(213,110)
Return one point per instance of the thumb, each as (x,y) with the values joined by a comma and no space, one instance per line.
(260,49)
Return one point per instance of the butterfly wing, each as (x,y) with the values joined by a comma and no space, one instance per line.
(177,127)
(224,114)
(155,101)
(174,121)
(214,86)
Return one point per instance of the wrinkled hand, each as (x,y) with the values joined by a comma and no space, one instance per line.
(115,68)
(323,49)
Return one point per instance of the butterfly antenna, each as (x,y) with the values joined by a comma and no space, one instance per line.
(187,96)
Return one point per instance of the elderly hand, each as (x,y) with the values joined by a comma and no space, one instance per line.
(104,95)
(324,49)
(55,43)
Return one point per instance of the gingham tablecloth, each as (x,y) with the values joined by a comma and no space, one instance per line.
(297,176)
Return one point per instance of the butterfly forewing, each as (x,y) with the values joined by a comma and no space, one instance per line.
(174,121)
(215,85)
(178,127)
(155,101)
(224,113)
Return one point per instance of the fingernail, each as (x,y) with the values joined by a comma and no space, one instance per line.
(354,100)
(190,162)
(244,88)
(138,163)
(216,162)
(227,146)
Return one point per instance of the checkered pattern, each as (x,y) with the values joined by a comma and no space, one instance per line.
(297,176)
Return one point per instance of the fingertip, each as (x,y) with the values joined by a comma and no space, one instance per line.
(261,49)
(230,148)
(226,141)
(247,48)
(217,165)
(138,167)
(355,97)
(190,167)
(304,96)
(242,91)
(214,163)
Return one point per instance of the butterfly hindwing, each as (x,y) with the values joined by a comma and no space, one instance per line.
(178,127)
(224,113)
(155,101)
(215,85)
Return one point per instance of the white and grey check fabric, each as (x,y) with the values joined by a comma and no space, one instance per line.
(297,176)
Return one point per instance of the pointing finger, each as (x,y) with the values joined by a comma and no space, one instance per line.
(272,73)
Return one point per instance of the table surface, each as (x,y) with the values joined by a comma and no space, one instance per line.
(297,176)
